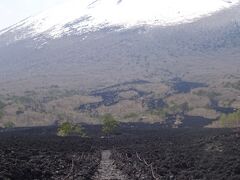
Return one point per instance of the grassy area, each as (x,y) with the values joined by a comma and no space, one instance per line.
(230,120)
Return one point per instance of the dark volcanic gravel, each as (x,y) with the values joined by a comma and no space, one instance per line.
(47,157)
(180,154)
(138,152)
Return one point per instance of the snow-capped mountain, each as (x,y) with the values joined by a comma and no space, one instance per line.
(80,16)
(91,44)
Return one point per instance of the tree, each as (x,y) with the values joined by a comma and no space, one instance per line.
(109,124)
(66,129)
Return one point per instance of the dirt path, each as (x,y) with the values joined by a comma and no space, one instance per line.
(107,170)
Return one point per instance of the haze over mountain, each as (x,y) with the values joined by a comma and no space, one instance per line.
(94,43)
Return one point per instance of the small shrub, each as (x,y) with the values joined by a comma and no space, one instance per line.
(66,129)
(109,124)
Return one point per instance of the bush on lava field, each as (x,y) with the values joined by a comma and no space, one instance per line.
(109,124)
(66,129)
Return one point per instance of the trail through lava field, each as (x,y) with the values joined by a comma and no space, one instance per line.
(107,169)
(136,153)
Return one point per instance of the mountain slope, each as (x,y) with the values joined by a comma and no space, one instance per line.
(79,17)
(82,67)
(198,50)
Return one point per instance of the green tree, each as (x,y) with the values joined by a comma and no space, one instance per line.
(109,124)
(66,129)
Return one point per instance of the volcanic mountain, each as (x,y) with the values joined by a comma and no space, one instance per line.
(95,43)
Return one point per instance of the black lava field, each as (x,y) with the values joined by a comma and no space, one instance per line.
(138,152)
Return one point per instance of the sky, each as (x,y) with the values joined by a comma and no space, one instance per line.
(13,11)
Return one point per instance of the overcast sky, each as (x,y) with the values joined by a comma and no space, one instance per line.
(13,11)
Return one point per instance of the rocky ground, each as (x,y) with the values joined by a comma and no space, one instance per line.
(138,152)
(107,169)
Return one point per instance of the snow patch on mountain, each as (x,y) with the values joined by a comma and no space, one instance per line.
(90,15)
